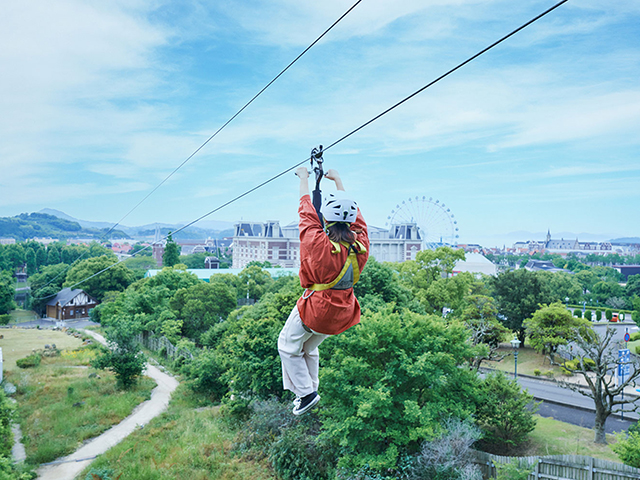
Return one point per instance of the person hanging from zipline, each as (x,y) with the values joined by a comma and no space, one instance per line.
(331,259)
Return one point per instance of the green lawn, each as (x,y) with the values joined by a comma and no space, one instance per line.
(528,362)
(190,441)
(552,437)
(18,343)
(60,404)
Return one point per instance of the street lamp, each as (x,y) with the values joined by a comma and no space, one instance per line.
(566,299)
(515,343)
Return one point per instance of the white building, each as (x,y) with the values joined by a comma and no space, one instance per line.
(281,245)
(475,263)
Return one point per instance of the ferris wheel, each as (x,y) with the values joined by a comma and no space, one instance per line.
(436,224)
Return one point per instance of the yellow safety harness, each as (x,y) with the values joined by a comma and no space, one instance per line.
(350,273)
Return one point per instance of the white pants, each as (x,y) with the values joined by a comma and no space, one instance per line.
(299,355)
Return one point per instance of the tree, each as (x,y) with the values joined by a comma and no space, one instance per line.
(254,281)
(598,361)
(556,286)
(587,279)
(14,255)
(503,412)
(123,357)
(480,316)
(30,257)
(518,294)
(201,306)
(633,286)
(171,255)
(45,285)
(53,254)
(428,266)
(98,275)
(7,293)
(552,326)
(388,382)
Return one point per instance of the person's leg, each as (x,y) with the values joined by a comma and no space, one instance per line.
(312,356)
(295,372)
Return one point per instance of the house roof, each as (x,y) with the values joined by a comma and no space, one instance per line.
(64,296)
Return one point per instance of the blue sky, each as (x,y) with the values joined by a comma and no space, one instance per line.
(100,101)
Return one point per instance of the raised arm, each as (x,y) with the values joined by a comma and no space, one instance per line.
(333,175)
(303,174)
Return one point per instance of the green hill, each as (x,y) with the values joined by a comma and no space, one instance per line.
(29,225)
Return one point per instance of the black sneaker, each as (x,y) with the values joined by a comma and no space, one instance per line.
(306,403)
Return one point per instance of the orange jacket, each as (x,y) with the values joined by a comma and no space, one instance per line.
(327,311)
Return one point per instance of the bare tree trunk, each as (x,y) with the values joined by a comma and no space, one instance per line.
(601,420)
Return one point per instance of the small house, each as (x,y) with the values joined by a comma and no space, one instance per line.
(69,304)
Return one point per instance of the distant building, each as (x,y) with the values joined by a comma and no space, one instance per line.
(627,270)
(475,263)
(543,265)
(7,241)
(398,244)
(68,304)
(212,263)
(158,247)
(281,245)
(265,242)
(562,246)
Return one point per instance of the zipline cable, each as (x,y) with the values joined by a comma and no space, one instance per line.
(460,65)
(209,139)
(239,112)
(352,132)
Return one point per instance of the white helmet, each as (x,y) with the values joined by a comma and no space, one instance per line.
(339,209)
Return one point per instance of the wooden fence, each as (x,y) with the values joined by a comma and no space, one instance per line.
(560,467)
(158,343)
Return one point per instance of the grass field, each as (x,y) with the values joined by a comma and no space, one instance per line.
(60,405)
(552,437)
(528,361)
(189,441)
(18,343)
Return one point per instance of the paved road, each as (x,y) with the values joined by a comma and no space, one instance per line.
(67,468)
(571,407)
(581,418)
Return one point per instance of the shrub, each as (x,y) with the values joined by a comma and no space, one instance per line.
(5,319)
(549,374)
(514,470)
(503,413)
(608,314)
(635,336)
(635,316)
(6,414)
(449,457)
(30,361)
(572,366)
(587,314)
(206,373)
(290,443)
(577,313)
(537,372)
(101,474)
(387,383)
(628,449)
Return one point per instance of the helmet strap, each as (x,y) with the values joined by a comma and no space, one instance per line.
(327,225)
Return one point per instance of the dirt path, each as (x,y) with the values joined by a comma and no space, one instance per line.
(66,468)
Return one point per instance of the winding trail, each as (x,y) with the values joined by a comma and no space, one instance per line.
(66,468)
